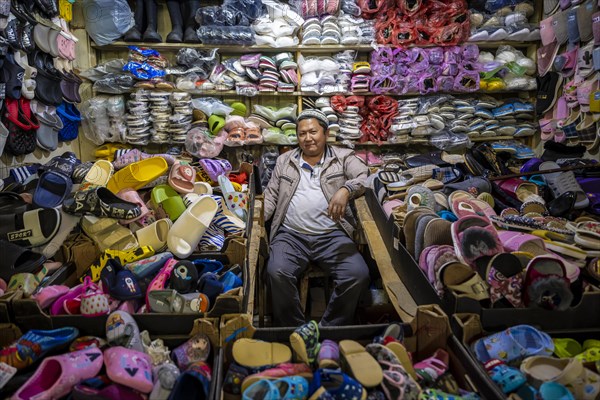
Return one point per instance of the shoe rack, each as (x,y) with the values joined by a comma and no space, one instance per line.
(101,54)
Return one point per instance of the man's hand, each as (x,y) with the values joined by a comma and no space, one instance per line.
(338,203)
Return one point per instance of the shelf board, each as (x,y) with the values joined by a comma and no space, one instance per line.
(333,142)
(269,49)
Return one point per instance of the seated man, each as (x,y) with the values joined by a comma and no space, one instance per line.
(307,197)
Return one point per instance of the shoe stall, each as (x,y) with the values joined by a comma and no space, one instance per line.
(137,140)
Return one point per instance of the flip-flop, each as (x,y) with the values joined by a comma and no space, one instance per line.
(31,228)
(17,259)
(168,199)
(138,174)
(184,236)
(52,189)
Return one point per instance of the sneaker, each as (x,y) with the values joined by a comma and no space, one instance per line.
(305,342)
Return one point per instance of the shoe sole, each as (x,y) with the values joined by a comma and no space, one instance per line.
(299,347)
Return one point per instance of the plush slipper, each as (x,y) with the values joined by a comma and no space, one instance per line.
(17,259)
(56,376)
(546,285)
(138,174)
(184,277)
(475,237)
(31,228)
(52,189)
(168,199)
(123,257)
(255,353)
(182,177)
(155,234)
(196,349)
(101,202)
(35,344)
(129,368)
(362,365)
(195,382)
(184,236)
(47,295)
(119,283)
(122,330)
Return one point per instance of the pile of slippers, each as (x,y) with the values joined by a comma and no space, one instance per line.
(497,21)
(527,362)
(325,75)
(140,211)
(41,88)
(568,63)
(125,364)
(278,125)
(506,243)
(509,70)
(321,369)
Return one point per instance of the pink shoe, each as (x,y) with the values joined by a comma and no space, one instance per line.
(129,368)
(56,376)
(49,294)
(58,306)
(160,280)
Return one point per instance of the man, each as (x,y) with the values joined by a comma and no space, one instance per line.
(307,199)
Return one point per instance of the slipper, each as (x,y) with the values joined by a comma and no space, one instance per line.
(363,367)
(475,237)
(254,353)
(193,383)
(107,151)
(513,344)
(123,158)
(35,344)
(98,175)
(403,356)
(508,378)
(566,347)
(17,259)
(560,182)
(107,233)
(280,371)
(122,330)
(196,349)
(56,376)
(588,234)
(462,280)
(133,197)
(122,257)
(546,285)
(119,283)
(182,177)
(431,368)
(138,174)
(47,295)
(155,234)
(160,280)
(334,384)
(100,387)
(224,219)
(101,202)
(504,274)
(58,307)
(582,382)
(236,201)
(31,228)
(52,189)
(184,236)
(165,197)
(129,368)
(12,203)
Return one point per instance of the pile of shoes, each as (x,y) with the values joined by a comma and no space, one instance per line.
(125,363)
(361,77)
(425,70)
(37,77)
(278,125)
(338,369)
(356,30)
(324,75)
(508,70)
(229,23)
(574,116)
(321,31)
(497,21)
(276,32)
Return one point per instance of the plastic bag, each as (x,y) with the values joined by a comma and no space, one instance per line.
(202,61)
(227,35)
(99,71)
(251,9)
(107,20)
(221,16)
(94,120)
(210,106)
(267,163)
(114,84)
(201,143)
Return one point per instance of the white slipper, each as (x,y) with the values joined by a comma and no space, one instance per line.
(186,232)
(481,36)
(498,35)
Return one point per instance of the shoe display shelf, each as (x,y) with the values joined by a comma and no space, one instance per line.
(582,313)
(426,332)
(468,329)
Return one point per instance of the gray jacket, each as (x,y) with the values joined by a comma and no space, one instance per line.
(341,168)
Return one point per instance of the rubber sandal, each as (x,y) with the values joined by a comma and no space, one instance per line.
(99,201)
(98,175)
(138,174)
(31,228)
(515,343)
(182,178)
(508,378)
(155,234)
(184,236)
(280,371)
(236,201)
(168,200)
(52,189)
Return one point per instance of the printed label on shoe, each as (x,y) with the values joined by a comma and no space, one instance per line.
(20,235)
(6,373)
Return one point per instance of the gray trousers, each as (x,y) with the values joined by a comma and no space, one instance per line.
(336,253)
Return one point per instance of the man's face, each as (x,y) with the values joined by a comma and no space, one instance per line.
(312,138)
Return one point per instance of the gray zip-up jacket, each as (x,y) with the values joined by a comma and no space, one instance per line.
(341,168)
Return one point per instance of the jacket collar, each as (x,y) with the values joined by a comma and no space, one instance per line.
(328,156)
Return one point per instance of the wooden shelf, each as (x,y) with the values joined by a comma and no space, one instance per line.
(269,49)
(333,142)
